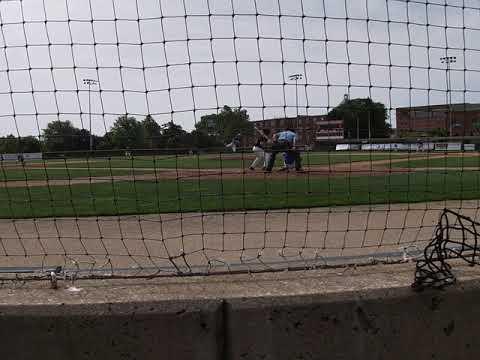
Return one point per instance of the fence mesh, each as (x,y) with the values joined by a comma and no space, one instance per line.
(128,129)
(456,237)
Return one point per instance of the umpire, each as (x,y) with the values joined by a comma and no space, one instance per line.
(284,141)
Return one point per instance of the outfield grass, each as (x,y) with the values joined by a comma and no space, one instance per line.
(234,194)
(19,174)
(216,161)
(454,162)
(77,168)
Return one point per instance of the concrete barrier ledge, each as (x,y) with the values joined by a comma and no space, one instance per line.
(183,329)
(359,313)
(375,324)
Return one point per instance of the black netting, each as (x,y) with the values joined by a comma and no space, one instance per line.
(456,237)
(128,132)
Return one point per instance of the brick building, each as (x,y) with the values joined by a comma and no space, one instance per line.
(308,128)
(463,120)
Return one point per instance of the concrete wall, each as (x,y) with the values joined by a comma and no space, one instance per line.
(380,325)
(166,330)
(231,321)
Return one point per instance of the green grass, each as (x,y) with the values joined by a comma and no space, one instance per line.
(20,174)
(77,168)
(234,194)
(215,161)
(446,162)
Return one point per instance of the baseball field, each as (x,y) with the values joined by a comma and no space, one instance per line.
(219,182)
(200,213)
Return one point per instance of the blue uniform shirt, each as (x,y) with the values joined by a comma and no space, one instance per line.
(289,136)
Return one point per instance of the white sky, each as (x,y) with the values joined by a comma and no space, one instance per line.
(138,50)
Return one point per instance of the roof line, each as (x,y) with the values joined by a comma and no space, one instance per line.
(467,106)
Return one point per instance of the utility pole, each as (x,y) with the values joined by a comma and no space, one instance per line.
(449,60)
(90,82)
(296,77)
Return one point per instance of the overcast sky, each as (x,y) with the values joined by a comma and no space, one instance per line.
(171,59)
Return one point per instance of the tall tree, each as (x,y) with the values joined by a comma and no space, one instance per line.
(30,144)
(12,144)
(152,132)
(104,142)
(225,125)
(173,136)
(362,118)
(204,140)
(126,133)
(82,140)
(63,136)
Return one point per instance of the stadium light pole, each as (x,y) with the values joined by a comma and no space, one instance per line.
(90,82)
(296,77)
(449,60)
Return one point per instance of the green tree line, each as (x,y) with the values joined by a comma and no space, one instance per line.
(362,118)
(129,133)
